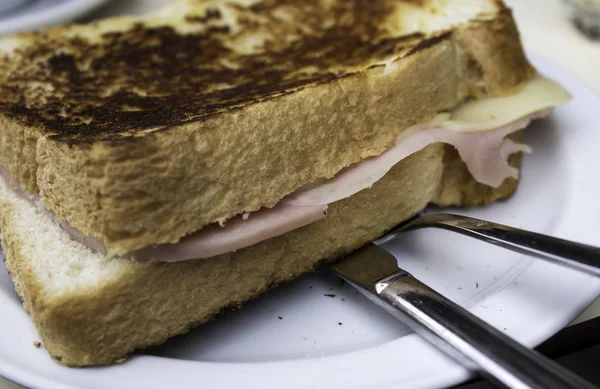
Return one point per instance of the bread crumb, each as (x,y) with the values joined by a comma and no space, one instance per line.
(37,344)
(245,216)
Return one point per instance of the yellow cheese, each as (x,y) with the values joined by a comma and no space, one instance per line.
(494,112)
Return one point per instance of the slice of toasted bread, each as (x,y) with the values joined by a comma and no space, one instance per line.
(140,131)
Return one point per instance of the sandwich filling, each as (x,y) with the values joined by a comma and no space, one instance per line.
(477,129)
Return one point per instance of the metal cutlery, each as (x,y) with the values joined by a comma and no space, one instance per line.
(454,330)
(460,334)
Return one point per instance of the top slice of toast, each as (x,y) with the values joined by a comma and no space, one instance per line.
(124,76)
(142,130)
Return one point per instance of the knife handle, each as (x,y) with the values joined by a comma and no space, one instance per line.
(575,255)
(470,340)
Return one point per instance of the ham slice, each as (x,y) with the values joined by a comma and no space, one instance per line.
(485,154)
(240,232)
(477,129)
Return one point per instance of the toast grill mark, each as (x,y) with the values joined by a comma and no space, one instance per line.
(154,77)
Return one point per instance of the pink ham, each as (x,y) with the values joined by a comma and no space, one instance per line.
(238,233)
(485,154)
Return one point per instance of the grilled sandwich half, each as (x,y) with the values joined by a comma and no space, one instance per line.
(159,169)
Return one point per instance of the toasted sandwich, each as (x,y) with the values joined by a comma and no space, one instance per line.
(157,170)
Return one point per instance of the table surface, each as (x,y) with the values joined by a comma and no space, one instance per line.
(545,28)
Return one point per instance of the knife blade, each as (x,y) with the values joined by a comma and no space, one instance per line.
(469,340)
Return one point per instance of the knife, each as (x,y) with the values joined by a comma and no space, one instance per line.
(469,340)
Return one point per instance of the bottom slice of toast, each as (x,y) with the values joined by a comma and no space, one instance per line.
(90,310)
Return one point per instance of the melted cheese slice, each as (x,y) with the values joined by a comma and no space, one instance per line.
(495,112)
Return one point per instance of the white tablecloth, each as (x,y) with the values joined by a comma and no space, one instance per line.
(545,29)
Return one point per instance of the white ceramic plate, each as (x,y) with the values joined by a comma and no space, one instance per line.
(295,337)
(35,14)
